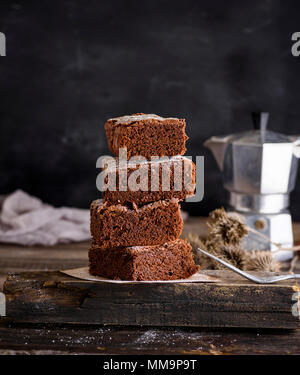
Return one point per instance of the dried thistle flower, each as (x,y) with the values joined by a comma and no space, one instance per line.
(225,234)
(226,228)
(196,242)
(234,255)
(262,261)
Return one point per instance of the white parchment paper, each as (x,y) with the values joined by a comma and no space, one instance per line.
(83,274)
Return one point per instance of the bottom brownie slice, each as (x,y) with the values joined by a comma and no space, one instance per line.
(170,261)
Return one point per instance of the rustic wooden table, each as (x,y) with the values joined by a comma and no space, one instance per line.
(66,339)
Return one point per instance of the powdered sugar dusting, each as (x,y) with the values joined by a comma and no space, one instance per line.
(147,337)
(132,118)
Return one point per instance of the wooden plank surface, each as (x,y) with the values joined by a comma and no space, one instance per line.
(51,339)
(53,297)
(18,258)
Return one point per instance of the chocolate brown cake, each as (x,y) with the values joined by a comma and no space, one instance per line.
(146,135)
(151,224)
(135,230)
(170,178)
(170,261)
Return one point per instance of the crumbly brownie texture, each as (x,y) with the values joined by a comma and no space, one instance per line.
(152,224)
(146,135)
(180,169)
(170,261)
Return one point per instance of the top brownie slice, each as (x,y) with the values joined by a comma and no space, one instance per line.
(146,135)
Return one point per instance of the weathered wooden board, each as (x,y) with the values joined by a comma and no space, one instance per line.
(52,297)
(108,340)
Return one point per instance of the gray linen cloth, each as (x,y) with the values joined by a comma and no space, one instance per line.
(26,220)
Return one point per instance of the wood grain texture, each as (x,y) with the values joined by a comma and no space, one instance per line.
(51,297)
(69,339)
(66,339)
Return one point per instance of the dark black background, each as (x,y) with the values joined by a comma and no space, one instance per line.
(70,65)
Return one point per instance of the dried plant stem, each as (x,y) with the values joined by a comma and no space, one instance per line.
(280,248)
(263,236)
(293,248)
(293,263)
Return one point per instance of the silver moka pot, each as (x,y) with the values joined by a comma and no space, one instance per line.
(259,171)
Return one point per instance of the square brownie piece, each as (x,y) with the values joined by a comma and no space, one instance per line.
(170,261)
(151,224)
(149,181)
(146,135)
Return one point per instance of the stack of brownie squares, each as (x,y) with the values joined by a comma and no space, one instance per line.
(135,232)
